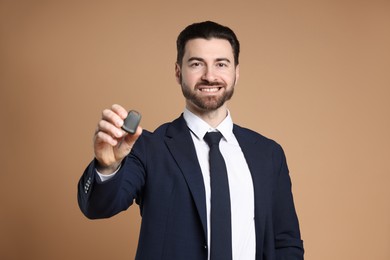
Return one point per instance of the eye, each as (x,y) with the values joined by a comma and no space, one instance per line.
(221,65)
(195,64)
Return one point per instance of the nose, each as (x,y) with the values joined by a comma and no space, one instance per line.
(209,74)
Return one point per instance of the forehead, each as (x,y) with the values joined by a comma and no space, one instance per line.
(208,48)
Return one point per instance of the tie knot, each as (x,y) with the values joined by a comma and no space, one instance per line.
(212,138)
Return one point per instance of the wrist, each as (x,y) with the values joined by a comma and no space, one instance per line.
(107,169)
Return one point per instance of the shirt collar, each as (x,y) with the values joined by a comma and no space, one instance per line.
(199,127)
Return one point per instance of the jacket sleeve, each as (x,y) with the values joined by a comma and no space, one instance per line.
(288,243)
(99,199)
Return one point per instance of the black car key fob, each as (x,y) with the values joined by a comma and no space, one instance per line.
(131,122)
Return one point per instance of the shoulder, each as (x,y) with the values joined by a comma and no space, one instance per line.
(253,136)
(167,129)
(263,145)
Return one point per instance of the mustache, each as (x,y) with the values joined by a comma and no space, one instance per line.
(208,83)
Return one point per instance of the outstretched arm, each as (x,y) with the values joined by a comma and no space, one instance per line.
(112,145)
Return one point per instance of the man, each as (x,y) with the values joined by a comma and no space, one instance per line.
(169,175)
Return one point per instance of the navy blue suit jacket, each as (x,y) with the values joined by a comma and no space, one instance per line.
(163,176)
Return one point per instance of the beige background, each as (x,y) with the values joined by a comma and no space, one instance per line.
(314,76)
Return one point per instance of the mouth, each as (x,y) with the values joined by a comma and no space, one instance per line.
(209,89)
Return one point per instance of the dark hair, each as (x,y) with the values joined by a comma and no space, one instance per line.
(206,30)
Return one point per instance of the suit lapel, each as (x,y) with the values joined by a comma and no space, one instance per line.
(251,151)
(180,144)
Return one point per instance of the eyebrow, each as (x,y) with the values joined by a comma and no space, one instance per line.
(201,59)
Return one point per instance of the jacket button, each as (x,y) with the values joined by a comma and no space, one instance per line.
(205,247)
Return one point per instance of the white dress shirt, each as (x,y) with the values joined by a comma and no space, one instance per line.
(240,183)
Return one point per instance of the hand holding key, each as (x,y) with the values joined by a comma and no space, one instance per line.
(113,140)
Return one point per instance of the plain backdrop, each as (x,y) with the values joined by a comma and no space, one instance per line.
(314,77)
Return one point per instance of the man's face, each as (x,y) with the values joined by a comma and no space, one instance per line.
(208,74)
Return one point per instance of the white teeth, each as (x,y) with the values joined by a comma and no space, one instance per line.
(209,89)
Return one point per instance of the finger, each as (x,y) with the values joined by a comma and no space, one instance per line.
(112,117)
(110,129)
(102,137)
(119,110)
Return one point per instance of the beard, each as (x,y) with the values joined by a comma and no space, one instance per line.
(208,103)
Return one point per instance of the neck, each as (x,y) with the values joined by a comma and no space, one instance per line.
(213,117)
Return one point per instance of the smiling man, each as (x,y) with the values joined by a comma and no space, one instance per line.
(207,74)
(206,187)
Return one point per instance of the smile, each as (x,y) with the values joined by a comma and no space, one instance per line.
(209,89)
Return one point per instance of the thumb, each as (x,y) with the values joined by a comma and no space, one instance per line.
(130,139)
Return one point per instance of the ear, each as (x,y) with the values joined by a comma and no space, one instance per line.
(237,74)
(178,73)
